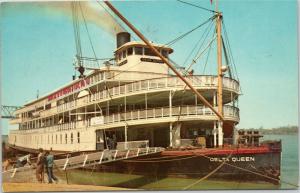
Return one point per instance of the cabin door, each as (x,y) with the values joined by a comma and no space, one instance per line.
(99,140)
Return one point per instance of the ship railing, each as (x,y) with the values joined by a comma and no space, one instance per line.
(150,84)
(145,114)
(229,112)
(106,156)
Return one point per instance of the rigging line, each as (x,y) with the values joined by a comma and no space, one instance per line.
(230,52)
(227,41)
(208,27)
(112,16)
(188,32)
(208,54)
(206,61)
(199,55)
(207,33)
(194,5)
(75,28)
(226,57)
(114,19)
(87,30)
(101,112)
(247,170)
(94,59)
(209,174)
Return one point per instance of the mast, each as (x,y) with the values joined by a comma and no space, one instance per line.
(220,74)
(205,102)
(219,58)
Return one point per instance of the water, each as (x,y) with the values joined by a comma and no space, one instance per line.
(289,171)
(290,156)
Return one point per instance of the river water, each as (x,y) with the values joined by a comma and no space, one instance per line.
(289,175)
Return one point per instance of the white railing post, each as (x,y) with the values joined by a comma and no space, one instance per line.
(115,154)
(85,159)
(127,153)
(138,151)
(14,172)
(66,163)
(101,157)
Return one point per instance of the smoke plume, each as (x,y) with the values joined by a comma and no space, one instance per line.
(92,11)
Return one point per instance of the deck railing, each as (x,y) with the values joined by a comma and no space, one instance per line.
(159,83)
(230,112)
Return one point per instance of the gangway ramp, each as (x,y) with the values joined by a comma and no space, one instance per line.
(80,161)
(106,156)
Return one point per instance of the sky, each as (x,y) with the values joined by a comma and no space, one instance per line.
(38,49)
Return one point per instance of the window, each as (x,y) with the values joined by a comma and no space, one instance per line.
(138,50)
(78,137)
(164,53)
(48,106)
(66,138)
(120,56)
(60,138)
(71,138)
(129,51)
(149,52)
(124,53)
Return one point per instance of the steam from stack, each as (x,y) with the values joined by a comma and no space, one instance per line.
(92,12)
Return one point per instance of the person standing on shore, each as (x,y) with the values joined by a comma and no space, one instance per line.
(49,167)
(40,166)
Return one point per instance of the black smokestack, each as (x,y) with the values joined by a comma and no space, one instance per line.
(122,38)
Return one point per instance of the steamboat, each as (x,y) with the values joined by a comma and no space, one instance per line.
(139,99)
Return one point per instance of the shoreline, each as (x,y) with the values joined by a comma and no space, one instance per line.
(38,187)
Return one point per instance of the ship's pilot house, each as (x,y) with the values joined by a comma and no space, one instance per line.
(136,56)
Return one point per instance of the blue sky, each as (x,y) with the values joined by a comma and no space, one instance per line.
(37,50)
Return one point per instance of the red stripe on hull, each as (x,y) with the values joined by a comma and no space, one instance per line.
(221,151)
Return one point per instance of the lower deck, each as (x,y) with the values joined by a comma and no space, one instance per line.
(161,134)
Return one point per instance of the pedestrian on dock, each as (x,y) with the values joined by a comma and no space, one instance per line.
(22,161)
(49,167)
(6,164)
(40,166)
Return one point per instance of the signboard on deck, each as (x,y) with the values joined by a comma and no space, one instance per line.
(97,120)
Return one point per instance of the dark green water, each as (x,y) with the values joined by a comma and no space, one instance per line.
(289,162)
(289,169)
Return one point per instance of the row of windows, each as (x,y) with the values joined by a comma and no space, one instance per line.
(51,140)
(138,50)
(57,139)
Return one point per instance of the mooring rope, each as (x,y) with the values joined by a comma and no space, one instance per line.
(209,174)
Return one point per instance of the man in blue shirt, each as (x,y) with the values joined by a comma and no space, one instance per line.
(49,167)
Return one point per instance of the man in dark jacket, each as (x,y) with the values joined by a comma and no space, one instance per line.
(49,167)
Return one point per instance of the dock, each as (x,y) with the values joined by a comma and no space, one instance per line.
(44,187)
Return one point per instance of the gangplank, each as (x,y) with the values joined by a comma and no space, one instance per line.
(90,159)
